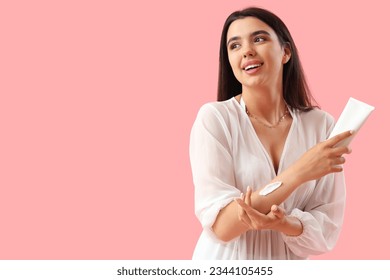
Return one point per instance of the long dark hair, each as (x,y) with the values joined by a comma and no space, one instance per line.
(295,89)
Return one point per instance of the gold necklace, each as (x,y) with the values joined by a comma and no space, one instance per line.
(267,125)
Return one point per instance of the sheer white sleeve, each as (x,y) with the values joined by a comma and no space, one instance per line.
(322,218)
(212,166)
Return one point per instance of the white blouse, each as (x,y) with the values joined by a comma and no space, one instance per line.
(227,156)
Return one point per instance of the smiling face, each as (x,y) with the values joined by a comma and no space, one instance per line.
(255,53)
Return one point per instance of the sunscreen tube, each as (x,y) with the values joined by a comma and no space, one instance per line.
(353,117)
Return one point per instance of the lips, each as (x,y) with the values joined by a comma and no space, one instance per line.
(251,66)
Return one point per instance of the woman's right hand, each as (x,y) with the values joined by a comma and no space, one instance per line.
(322,159)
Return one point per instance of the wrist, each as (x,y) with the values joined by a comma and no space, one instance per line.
(291,226)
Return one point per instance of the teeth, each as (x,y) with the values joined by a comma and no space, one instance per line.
(251,66)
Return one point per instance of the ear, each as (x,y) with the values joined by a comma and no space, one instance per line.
(287,53)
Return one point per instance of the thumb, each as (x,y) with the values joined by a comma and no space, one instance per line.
(277,211)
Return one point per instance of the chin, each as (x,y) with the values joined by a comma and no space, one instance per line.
(252,84)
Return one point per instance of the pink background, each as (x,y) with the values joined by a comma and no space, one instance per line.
(97,99)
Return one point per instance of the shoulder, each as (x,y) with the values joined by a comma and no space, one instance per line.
(317,116)
(216,118)
(216,107)
(317,120)
(218,111)
(213,124)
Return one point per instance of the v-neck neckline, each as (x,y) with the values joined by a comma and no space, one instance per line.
(286,142)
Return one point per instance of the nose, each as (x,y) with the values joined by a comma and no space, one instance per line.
(248,51)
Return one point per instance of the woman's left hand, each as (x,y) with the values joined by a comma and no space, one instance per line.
(256,220)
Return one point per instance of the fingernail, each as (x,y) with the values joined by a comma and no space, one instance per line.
(248,188)
(352,131)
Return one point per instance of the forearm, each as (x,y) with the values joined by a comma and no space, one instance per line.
(228,224)
(290,182)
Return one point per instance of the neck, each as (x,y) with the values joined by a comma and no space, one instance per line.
(264,103)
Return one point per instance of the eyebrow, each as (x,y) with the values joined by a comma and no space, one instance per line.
(258,32)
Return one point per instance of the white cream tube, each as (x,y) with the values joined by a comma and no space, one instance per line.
(353,117)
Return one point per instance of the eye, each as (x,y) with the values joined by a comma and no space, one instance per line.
(259,39)
(234,46)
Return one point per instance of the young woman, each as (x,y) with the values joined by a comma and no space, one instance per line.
(268,185)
